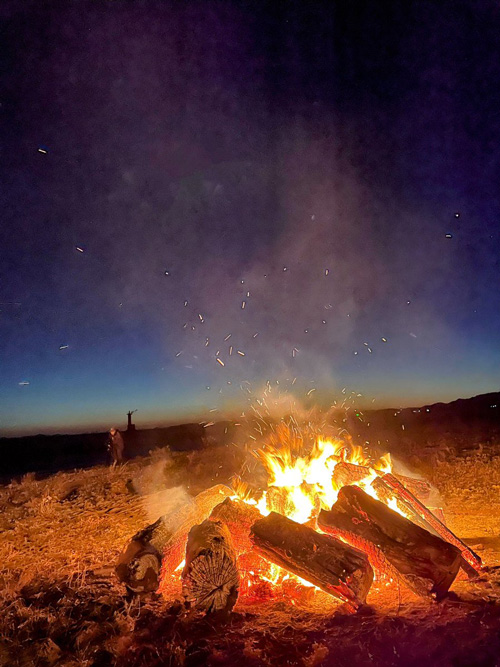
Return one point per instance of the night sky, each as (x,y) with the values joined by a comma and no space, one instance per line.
(321,181)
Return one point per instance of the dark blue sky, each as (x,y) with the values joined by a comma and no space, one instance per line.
(333,166)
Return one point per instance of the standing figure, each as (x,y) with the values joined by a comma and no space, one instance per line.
(115,446)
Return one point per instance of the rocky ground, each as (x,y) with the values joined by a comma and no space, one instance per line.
(60,603)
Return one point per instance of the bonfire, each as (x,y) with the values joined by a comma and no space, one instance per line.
(328,522)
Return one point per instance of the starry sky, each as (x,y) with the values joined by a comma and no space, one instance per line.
(200,198)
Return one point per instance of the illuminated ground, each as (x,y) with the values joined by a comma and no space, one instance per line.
(61,605)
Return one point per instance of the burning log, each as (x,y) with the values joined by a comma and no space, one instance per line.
(386,495)
(210,579)
(405,496)
(418,487)
(140,562)
(336,568)
(346,474)
(239,517)
(425,562)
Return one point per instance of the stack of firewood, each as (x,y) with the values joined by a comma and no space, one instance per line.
(358,535)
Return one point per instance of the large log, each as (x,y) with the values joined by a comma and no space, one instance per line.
(139,564)
(346,473)
(470,557)
(210,579)
(425,562)
(326,562)
(388,496)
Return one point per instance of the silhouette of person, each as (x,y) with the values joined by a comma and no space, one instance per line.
(115,446)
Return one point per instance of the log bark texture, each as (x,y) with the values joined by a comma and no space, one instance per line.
(326,562)
(210,579)
(425,562)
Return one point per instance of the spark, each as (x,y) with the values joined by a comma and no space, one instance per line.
(355,353)
(230,350)
(23,384)
(207,342)
(327,271)
(457,215)
(284,268)
(201,317)
(220,361)
(208,424)
(449,236)
(311,391)
(384,340)
(167,273)
(248,293)
(79,249)
(42,150)
(243,304)
(63,347)
(413,335)
(228,337)
(242,354)
(369,349)
(179,353)
(185,303)
(255,335)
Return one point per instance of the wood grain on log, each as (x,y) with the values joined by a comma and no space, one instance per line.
(425,562)
(326,562)
(210,579)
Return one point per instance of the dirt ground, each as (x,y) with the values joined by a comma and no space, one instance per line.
(60,603)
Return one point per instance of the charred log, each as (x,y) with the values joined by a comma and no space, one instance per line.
(434,523)
(418,487)
(388,495)
(210,579)
(346,474)
(425,562)
(326,562)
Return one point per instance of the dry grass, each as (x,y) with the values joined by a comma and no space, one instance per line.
(60,604)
